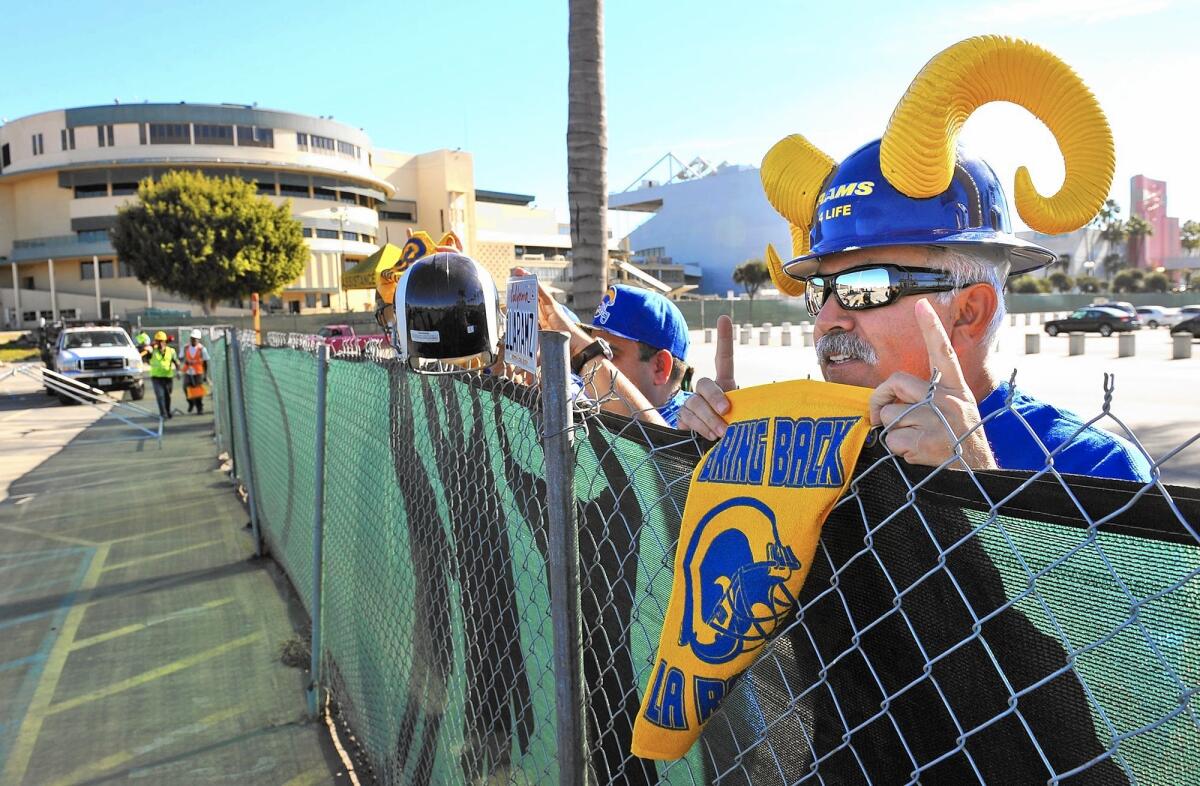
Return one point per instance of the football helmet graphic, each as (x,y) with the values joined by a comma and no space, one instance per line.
(735,573)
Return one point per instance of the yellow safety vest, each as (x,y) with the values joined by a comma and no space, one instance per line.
(161,362)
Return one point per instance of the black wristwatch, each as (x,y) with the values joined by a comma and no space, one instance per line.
(598,348)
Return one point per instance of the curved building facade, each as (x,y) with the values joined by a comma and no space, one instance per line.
(64,173)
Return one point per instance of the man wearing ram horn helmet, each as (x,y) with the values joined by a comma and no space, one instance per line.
(901,252)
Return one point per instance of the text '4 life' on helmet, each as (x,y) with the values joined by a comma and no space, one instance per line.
(447,315)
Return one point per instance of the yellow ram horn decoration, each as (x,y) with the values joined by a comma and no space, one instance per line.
(782,281)
(917,152)
(793,171)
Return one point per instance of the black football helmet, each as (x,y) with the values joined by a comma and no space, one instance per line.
(447,315)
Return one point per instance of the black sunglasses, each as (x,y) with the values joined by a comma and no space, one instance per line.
(872,286)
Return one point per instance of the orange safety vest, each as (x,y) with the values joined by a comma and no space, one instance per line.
(193,359)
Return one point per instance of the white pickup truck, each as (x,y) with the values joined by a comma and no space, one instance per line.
(102,357)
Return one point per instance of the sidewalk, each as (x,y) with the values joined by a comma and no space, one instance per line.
(137,638)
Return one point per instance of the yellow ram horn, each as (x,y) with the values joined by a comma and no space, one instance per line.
(782,281)
(917,152)
(793,172)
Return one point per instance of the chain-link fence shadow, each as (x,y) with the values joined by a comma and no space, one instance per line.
(956,626)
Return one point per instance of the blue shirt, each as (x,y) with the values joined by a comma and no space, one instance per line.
(670,410)
(1091,451)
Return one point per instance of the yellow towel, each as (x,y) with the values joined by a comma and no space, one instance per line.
(754,513)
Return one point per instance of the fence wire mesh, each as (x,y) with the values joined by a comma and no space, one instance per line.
(956,626)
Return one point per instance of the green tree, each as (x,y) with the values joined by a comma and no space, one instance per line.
(1128,281)
(1189,237)
(1137,230)
(751,274)
(1029,285)
(1113,264)
(209,239)
(1060,281)
(587,150)
(1088,284)
(1156,282)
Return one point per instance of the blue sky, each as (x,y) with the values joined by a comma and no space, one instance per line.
(716,79)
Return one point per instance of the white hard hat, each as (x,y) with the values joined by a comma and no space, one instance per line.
(197,334)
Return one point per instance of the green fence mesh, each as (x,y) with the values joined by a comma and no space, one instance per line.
(955,627)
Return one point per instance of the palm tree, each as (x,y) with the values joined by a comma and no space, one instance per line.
(1137,230)
(1189,236)
(587,148)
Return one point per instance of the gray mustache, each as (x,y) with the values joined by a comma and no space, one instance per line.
(848,344)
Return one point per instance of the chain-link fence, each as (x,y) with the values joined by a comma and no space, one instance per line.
(955,627)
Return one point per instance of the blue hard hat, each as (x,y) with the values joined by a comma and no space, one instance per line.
(859,208)
(641,315)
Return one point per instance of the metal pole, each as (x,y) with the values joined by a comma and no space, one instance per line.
(17,297)
(314,686)
(233,448)
(53,292)
(702,314)
(564,560)
(239,405)
(96,279)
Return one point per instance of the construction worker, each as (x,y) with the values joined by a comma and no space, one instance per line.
(195,372)
(164,367)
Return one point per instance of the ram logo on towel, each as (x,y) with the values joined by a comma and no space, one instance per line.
(754,513)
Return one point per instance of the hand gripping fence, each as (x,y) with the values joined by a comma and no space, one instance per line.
(956,626)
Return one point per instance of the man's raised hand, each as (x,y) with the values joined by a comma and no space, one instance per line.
(705,412)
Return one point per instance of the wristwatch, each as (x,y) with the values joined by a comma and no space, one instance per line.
(598,348)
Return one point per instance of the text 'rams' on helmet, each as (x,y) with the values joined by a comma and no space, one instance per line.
(915,186)
(447,315)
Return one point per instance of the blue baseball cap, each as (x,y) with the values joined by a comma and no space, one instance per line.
(641,315)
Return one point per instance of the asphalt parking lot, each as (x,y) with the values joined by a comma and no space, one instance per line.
(1154,397)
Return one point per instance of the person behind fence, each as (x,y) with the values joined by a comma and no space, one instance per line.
(164,366)
(598,368)
(649,341)
(195,372)
(901,253)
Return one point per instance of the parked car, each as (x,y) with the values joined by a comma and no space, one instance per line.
(341,336)
(1120,305)
(1094,319)
(1190,311)
(1153,316)
(101,357)
(1188,326)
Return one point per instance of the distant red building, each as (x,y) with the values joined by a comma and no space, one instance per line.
(1148,200)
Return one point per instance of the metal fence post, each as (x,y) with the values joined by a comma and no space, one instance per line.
(318,557)
(564,560)
(239,406)
(233,447)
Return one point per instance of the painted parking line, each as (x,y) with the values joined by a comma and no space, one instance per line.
(153,674)
(99,767)
(126,630)
(45,679)
(163,555)
(49,535)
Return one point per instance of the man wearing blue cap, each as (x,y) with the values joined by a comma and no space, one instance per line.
(649,341)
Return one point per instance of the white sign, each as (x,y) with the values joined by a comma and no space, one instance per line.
(521,329)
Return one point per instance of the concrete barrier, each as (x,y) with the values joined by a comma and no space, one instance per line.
(787,326)
(1126,345)
(785,336)
(744,335)
(1181,346)
(1028,320)
(1041,319)
(1033,343)
(708,335)
(806,334)
(1012,320)
(1076,343)
(764,338)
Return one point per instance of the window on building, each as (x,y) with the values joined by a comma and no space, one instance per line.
(104,136)
(399,211)
(141,133)
(27,283)
(207,134)
(125,270)
(324,300)
(267,187)
(124,189)
(68,139)
(322,144)
(310,299)
(347,149)
(91,191)
(39,146)
(28,316)
(170,134)
(308,231)
(324,193)
(327,234)
(350,236)
(106,269)
(293,189)
(5,157)
(253,136)
(301,141)
(92,236)
(347,197)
